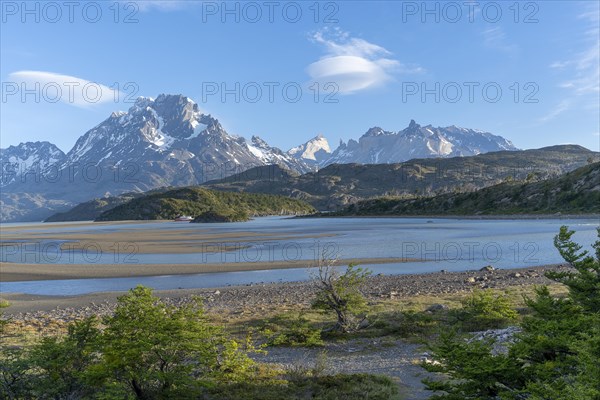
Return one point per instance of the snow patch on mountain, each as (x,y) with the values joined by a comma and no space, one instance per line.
(313,151)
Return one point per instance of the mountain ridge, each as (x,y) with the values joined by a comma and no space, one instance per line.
(338,185)
(575,192)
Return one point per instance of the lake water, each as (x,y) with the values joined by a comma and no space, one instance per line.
(450,244)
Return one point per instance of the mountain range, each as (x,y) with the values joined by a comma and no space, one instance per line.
(338,185)
(169,141)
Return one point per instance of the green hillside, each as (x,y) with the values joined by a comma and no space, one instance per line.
(577,192)
(339,185)
(208,205)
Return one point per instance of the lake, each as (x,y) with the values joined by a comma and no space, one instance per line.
(450,244)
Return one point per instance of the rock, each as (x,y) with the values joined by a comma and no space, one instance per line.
(436,308)
(516,275)
(217,292)
(487,268)
(470,280)
(364,324)
(501,338)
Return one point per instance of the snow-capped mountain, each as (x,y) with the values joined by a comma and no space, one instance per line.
(159,142)
(28,159)
(315,151)
(169,141)
(378,146)
(173,134)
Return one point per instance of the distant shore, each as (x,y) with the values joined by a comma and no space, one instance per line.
(469,217)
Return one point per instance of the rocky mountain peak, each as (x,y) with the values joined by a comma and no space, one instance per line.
(258,141)
(314,151)
(17,161)
(375,131)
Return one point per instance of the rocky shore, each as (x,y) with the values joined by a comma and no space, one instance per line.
(256,298)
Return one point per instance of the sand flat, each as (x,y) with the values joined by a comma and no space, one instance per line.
(16,272)
(140,240)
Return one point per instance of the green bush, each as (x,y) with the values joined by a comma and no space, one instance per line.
(329,387)
(3,320)
(340,293)
(484,309)
(293,331)
(146,350)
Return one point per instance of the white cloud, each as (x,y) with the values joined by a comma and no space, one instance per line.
(353,64)
(51,87)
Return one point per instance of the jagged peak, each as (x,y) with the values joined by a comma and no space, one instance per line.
(257,140)
(376,131)
(143,101)
(29,146)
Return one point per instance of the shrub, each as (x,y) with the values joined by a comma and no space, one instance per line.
(340,293)
(3,320)
(298,331)
(485,310)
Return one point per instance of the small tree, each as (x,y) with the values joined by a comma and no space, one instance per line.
(485,310)
(340,293)
(162,351)
(584,282)
(61,363)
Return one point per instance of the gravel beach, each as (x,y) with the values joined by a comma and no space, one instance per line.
(266,296)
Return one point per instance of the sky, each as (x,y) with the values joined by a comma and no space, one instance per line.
(288,71)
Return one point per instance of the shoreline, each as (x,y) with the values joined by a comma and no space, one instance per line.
(9,225)
(502,217)
(258,297)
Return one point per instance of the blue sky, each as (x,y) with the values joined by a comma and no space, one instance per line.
(381,63)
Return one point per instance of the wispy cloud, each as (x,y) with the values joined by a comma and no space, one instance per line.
(558,109)
(53,87)
(353,64)
(583,85)
(495,38)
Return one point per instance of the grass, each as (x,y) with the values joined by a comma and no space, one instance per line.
(402,318)
(328,387)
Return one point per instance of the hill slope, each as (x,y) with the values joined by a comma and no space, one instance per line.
(204,203)
(575,192)
(338,185)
